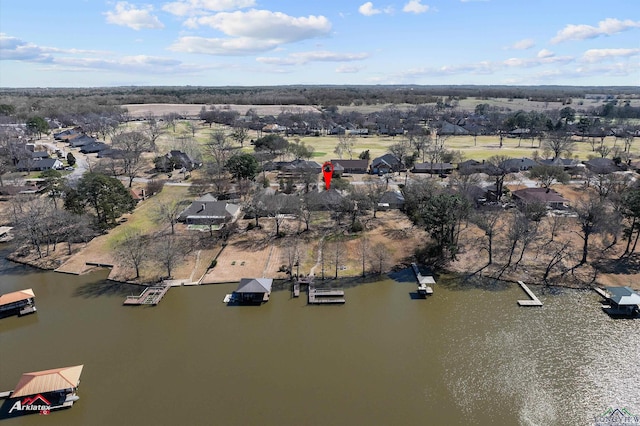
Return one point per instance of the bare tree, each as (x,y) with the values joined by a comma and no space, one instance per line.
(346,144)
(558,143)
(152,129)
(169,211)
(169,250)
(363,252)
(591,217)
(337,255)
(132,249)
(487,221)
(219,148)
(132,145)
(379,257)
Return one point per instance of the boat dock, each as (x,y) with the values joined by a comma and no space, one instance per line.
(6,394)
(296,289)
(602,293)
(318,296)
(423,282)
(534,301)
(150,296)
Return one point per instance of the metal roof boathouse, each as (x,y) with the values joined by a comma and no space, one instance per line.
(42,392)
(19,303)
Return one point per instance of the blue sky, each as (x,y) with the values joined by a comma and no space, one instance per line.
(79,43)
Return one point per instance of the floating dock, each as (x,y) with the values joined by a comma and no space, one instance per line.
(423,282)
(150,296)
(319,296)
(534,301)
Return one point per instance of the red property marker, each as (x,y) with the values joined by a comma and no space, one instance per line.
(327,171)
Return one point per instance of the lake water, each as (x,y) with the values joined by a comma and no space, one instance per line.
(466,355)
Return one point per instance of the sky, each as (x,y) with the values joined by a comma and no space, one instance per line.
(89,43)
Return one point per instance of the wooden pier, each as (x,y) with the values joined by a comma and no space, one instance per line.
(150,296)
(423,282)
(602,293)
(534,301)
(319,296)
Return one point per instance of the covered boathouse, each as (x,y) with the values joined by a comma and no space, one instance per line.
(43,391)
(623,301)
(20,303)
(254,290)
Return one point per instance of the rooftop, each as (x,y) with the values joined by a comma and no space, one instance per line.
(16,296)
(48,381)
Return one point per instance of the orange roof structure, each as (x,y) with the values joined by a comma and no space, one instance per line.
(48,381)
(16,296)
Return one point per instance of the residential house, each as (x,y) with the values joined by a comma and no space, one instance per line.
(30,165)
(549,197)
(387,163)
(514,165)
(433,168)
(568,164)
(254,290)
(452,129)
(325,200)
(601,166)
(39,155)
(302,166)
(349,166)
(391,200)
(93,148)
(81,140)
(183,160)
(65,134)
(207,210)
(471,166)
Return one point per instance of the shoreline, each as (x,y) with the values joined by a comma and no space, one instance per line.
(466,278)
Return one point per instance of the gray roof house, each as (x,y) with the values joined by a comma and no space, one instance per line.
(518,164)
(207,210)
(39,165)
(387,163)
(81,140)
(391,200)
(433,168)
(254,290)
(549,197)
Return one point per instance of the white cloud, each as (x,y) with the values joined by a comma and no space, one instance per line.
(13,48)
(220,46)
(545,53)
(414,6)
(264,24)
(300,58)
(127,15)
(544,57)
(196,7)
(349,69)
(607,27)
(524,44)
(597,55)
(251,32)
(367,9)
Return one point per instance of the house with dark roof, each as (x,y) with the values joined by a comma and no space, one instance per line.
(207,210)
(471,166)
(602,166)
(566,163)
(325,200)
(65,134)
(183,160)
(302,166)
(254,290)
(514,165)
(93,148)
(387,163)
(30,165)
(545,196)
(391,200)
(452,129)
(39,155)
(349,166)
(433,168)
(81,140)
